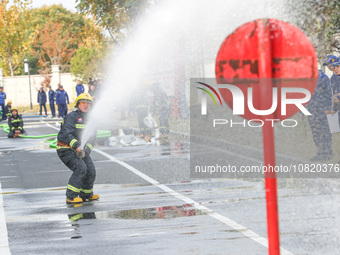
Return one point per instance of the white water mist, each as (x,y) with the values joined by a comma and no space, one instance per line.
(173,35)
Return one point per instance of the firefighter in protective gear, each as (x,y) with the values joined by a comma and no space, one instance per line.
(8,108)
(16,124)
(80,185)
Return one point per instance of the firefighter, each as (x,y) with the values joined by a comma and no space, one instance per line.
(80,185)
(16,124)
(8,108)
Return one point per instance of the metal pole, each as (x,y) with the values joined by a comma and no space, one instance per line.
(29,78)
(265,75)
(27,70)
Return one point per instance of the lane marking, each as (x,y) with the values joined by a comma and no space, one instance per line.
(49,125)
(4,247)
(248,233)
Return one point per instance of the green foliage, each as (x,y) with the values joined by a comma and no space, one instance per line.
(73,28)
(112,15)
(16,38)
(87,63)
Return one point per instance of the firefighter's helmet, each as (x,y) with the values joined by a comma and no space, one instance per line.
(84,97)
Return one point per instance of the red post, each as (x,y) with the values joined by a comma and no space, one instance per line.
(266,86)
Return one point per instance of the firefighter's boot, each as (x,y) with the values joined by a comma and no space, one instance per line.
(75,200)
(94,197)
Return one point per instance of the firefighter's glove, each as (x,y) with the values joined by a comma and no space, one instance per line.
(87,150)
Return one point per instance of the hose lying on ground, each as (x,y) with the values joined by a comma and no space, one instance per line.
(53,142)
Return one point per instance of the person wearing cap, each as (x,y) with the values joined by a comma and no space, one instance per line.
(336,68)
(330,59)
(77,159)
(8,108)
(62,101)
(16,124)
(42,100)
(2,103)
(51,97)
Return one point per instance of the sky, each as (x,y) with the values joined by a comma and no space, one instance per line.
(68,4)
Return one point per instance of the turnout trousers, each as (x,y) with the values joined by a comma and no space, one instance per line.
(83,176)
(321,134)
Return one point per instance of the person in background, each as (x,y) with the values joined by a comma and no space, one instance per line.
(336,68)
(8,108)
(161,107)
(58,88)
(42,100)
(328,62)
(141,104)
(335,80)
(2,103)
(92,90)
(319,106)
(51,98)
(62,101)
(99,85)
(16,124)
(79,88)
(77,159)
(90,82)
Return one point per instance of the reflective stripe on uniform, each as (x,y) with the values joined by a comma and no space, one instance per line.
(76,217)
(70,187)
(80,125)
(15,120)
(73,142)
(88,191)
(64,147)
(89,145)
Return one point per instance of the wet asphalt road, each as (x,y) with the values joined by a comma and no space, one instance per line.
(149,205)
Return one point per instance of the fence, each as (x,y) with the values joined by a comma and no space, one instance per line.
(18,88)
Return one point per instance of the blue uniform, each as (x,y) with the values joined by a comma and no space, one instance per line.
(335,85)
(51,96)
(319,103)
(42,101)
(62,101)
(80,89)
(2,104)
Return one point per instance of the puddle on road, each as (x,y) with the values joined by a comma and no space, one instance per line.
(164,212)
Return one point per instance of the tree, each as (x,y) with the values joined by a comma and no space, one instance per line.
(55,46)
(15,39)
(319,20)
(87,63)
(112,15)
(61,33)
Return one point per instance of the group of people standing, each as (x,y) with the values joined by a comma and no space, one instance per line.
(61,98)
(325,100)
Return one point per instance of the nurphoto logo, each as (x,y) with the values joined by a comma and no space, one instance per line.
(243,100)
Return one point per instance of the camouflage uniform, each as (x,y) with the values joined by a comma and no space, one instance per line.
(319,103)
